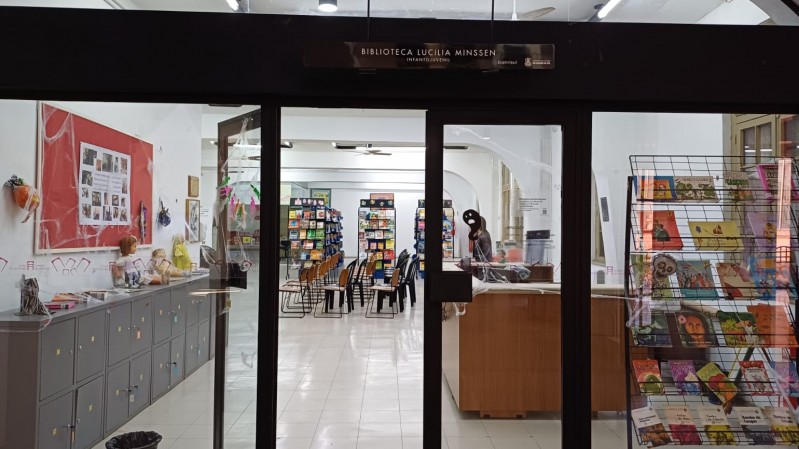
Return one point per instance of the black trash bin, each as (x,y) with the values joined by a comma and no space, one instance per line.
(134,440)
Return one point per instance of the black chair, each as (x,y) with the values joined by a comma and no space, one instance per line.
(351,269)
(409,283)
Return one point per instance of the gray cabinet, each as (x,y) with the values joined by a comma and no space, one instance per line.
(91,344)
(118,333)
(139,383)
(192,346)
(162,316)
(204,305)
(162,367)
(55,423)
(177,360)
(142,324)
(204,350)
(58,357)
(89,414)
(178,301)
(192,309)
(116,393)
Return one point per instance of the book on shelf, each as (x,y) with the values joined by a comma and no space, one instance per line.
(658,287)
(388,234)
(681,424)
(736,185)
(715,235)
(381,245)
(739,329)
(764,229)
(420,213)
(363,244)
(755,424)
(381,214)
(783,424)
(293,224)
(773,325)
(307,214)
(649,426)
(383,224)
(295,244)
(654,333)
(308,245)
(303,234)
(59,305)
(756,378)
(388,254)
(695,279)
(717,382)
(735,280)
(389,244)
(654,188)
(390,213)
(379,255)
(320,225)
(694,188)
(769,180)
(320,214)
(647,373)
(294,235)
(362,214)
(370,234)
(659,230)
(310,234)
(420,226)
(372,245)
(379,235)
(378,265)
(305,224)
(763,269)
(361,235)
(786,376)
(716,426)
(685,379)
(292,214)
(363,225)
(316,254)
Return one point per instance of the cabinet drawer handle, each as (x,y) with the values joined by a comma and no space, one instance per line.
(80,347)
(71,352)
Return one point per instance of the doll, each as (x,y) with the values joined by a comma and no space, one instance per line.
(125,272)
(164,267)
(180,254)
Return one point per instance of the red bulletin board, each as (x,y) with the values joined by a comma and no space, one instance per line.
(60,136)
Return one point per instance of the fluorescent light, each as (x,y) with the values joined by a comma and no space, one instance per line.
(607,8)
(328,5)
(234,4)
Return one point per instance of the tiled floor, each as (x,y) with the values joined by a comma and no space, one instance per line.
(349,383)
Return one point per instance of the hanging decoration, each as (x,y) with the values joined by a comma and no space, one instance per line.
(163,216)
(26,197)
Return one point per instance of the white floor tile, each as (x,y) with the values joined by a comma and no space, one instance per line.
(298,430)
(337,430)
(380,416)
(380,443)
(334,443)
(340,416)
(411,429)
(464,429)
(382,429)
(505,428)
(469,442)
(515,443)
(294,443)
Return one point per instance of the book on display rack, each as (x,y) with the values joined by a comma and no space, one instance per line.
(377,219)
(447,234)
(710,285)
(314,231)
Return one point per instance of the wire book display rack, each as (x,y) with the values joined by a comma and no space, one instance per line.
(710,282)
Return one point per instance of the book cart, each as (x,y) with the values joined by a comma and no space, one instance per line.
(447,236)
(314,231)
(710,282)
(376,232)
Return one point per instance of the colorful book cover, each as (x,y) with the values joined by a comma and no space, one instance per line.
(695,188)
(420,213)
(681,424)
(649,426)
(310,234)
(655,188)
(303,234)
(739,329)
(658,288)
(294,235)
(736,184)
(379,235)
(659,230)
(685,379)
(716,426)
(320,225)
(764,229)
(773,325)
(786,376)
(307,214)
(320,214)
(695,279)
(389,244)
(389,213)
(656,333)
(715,235)
(735,280)
(783,424)
(292,214)
(764,276)
(695,329)
(294,224)
(647,373)
(755,425)
(769,180)
(718,383)
(756,378)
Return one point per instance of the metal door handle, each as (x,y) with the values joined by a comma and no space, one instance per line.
(80,347)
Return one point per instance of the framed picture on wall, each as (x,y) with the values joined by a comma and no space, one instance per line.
(324,194)
(192,221)
(194,186)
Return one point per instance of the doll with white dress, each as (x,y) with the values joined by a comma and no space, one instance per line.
(125,272)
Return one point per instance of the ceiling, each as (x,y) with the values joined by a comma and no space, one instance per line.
(645,11)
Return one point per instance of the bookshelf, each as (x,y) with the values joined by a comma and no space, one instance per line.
(377,230)
(447,236)
(710,285)
(314,230)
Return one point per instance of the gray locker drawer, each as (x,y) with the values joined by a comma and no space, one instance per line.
(142,324)
(140,382)
(192,310)
(192,346)
(162,367)
(91,344)
(162,317)
(178,301)
(58,357)
(118,333)
(89,414)
(55,421)
(177,359)
(116,407)
(204,306)
(212,338)
(205,339)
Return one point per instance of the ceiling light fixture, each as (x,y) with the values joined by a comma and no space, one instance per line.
(369,146)
(234,4)
(607,8)
(327,5)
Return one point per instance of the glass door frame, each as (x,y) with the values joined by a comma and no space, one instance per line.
(575,268)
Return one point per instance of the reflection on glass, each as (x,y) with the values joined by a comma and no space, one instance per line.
(750,146)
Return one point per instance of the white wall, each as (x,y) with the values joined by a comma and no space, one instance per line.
(174,131)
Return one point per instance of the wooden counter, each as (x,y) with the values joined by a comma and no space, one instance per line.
(502,357)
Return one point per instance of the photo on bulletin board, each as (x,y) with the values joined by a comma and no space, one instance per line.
(324,194)
(192,221)
(194,186)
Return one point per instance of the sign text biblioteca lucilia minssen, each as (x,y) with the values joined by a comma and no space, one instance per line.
(383,55)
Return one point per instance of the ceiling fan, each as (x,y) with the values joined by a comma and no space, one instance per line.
(362,150)
(530,15)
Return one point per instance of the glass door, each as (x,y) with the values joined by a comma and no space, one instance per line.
(496,240)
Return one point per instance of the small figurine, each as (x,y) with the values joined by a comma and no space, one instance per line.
(180,254)
(26,197)
(125,272)
(164,267)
